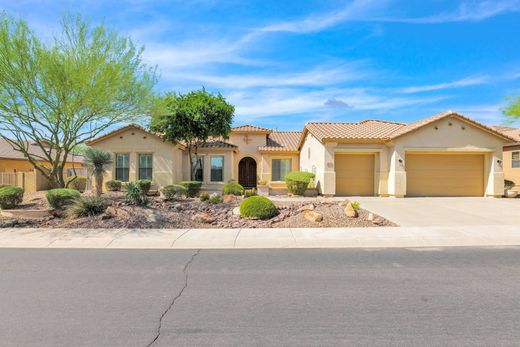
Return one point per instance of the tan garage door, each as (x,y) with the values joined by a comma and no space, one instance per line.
(354,174)
(444,175)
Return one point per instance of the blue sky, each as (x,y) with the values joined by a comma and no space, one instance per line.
(283,63)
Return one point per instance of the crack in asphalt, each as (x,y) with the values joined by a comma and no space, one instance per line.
(172,303)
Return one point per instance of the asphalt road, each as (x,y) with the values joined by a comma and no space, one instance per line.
(452,296)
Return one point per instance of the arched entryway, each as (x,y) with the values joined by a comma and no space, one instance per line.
(247,172)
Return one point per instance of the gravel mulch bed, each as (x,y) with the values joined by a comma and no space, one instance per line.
(180,214)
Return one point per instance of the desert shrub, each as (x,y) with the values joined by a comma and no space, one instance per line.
(508,184)
(10,197)
(114,185)
(215,199)
(61,197)
(204,196)
(86,207)
(257,207)
(193,187)
(78,183)
(171,191)
(355,205)
(4,185)
(233,188)
(145,185)
(135,195)
(298,181)
(249,192)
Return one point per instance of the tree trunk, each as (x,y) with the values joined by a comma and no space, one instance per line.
(99,184)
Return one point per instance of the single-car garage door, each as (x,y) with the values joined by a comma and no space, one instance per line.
(354,174)
(444,175)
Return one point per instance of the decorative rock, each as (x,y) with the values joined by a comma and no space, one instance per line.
(370,216)
(202,217)
(344,203)
(378,221)
(313,216)
(227,199)
(309,207)
(236,211)
(350,211)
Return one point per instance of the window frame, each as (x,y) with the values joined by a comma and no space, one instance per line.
(281,177)
(117,168)
(515,163)
(200,160)
(139,168)
(211,168)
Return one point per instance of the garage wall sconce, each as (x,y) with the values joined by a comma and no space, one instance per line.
(499,162)
(401,162)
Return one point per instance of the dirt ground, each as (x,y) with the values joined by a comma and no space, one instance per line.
(192,213)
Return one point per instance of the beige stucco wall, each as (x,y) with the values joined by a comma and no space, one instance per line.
(207,154)
(511,173)
(167,158)
(267,164)
(312,159)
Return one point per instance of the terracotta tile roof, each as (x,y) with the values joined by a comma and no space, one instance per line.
(282,141)
(509,131)
(120,130)
(251,128)
(216,144)
(367,129)
(8,152)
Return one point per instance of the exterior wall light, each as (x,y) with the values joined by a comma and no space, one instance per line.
(401,163)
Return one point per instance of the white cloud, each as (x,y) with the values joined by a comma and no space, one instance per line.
(465,82)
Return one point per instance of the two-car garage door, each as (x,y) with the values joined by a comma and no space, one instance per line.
(444,174)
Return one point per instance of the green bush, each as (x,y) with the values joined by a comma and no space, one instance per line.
(249,192)
(204,196)
(10,197)
(508,184)
(232,188)
(135,195)
(86,207)
(61,197)
(215,199)
(257,207)
(145,185)
(78,183)
(355,205)
(193,187)
(171,191)
(114,185)
(298,181)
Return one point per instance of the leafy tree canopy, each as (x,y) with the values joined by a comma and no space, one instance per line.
(513,110)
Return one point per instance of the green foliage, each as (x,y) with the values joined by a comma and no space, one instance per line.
(58,93)
(173,190)
(204,196)
(508,184)
(10,197)
(249,192)
(77,182)
(233,188)
(97,162)
(135,195)
(61,197)
(86,207)
(355,205)
(145,185)
(192,118)
(192,187)
(114,185)
(215,199)
(298,181)
(513,110)
(257,207)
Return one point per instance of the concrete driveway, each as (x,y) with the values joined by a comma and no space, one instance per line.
(445,211)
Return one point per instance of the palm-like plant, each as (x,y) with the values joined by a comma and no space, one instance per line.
(97,161)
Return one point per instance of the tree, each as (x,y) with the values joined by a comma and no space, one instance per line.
(58,95)
(97,161)
(513,110)
(192,119)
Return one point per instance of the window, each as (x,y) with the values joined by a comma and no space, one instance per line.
(198,166)
(122,166)
(145,166)
(515,159)
(217,169)
(280,168)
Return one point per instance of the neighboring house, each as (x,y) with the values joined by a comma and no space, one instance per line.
(511,155)
(444,155)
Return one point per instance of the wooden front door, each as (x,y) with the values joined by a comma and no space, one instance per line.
(247,172)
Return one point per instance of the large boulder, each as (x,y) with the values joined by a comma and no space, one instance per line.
(229,198)
(309,207)
(350,211)
(203,217)
(313,216)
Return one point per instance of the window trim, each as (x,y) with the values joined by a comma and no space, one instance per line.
(211,169)
(116,167)
(139,166)
(202,160)
(272,168)
(515,163)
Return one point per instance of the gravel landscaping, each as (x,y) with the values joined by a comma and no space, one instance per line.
(192,213)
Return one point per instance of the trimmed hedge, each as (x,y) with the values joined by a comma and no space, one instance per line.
(114,185)
(171,191)
(61,197)
(10,197)
(78,183)
(192,187)
(298,181)
(257,207)
(233,188)
(145,185)
(86,207)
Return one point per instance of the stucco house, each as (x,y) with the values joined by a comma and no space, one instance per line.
(444,155)
(511,155)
